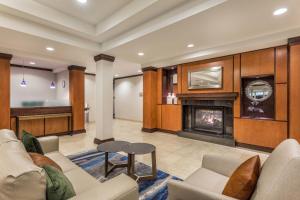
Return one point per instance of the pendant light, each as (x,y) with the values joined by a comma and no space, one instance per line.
(52,85)
(23,82)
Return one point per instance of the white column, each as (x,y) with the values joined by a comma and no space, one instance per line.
(104,97)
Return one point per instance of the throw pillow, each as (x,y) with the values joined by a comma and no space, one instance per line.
(58,185)
(41,160)
(242,182)
(31,143)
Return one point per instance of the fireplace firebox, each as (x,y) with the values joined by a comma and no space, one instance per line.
(210,120)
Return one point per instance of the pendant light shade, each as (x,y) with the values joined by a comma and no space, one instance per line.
(23,82)
(52,85)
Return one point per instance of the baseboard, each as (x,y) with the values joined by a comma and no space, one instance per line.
(167,131)
(78,131)
(254,147)
(149,130)
(98,141)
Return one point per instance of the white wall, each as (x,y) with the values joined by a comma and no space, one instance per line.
(38,86)
(90,95)
(62,93)
(128,102)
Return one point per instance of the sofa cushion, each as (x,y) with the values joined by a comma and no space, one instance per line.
(41,160)
(207,179)
(279,177)
(7,136)
(78,176)
(242,182)
(20,178)
(31,143)
(58,185)
(64,163)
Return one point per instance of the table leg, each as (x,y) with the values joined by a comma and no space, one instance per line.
(106,164)
(129,165)
(154,169)
(132,164)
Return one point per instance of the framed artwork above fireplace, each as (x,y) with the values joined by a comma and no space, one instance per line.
(206,78)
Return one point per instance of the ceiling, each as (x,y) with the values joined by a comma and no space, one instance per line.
(161,29)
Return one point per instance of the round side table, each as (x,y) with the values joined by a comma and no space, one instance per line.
(140,149)
(112,147)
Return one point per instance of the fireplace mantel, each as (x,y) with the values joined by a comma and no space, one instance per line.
(208,96)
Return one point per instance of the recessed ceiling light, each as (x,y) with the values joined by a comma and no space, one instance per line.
(280,11)
(116,75)
(140,71)
(141,54)
(32,63)
(190,45)
(50,48)
(82,1)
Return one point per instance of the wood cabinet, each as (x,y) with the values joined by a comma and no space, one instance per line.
(255,63)
(171,117)
(265,133)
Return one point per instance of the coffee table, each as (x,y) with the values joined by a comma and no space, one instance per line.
(112,147)
(140,149)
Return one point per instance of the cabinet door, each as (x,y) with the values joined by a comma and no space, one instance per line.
(259,62)
(171,117)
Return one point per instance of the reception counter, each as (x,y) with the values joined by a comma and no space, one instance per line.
(42,121)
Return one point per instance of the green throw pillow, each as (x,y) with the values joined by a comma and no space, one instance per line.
(31,143)
(58,185)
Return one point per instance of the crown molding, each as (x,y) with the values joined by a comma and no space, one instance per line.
(104,57)
(75,67)
(150,68)
(6,56)
(294,41)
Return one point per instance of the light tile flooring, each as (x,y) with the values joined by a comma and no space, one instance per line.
(175,155)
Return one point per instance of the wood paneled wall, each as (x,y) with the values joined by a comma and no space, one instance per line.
(5,91)
(266,133)
(76,87)
(150,99)
(225,62)
(294,89)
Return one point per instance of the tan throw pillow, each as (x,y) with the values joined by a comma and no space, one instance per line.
(242,182)
(41,160)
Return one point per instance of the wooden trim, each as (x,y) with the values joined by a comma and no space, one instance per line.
(209,96)
(75,67)
(31,67)
(79,131)
(167,131)
(149,69)
(6,56)
(131,76)
(104,57)
(294,41)
(254,147)
(98,141)
(39,110)
(149,130)
(90,74)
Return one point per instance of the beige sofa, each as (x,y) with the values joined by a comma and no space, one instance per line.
(279,178)
(20,179)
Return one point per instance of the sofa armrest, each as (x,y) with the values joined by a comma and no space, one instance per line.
(183,191)
(224,165)
(49,143)
(121,187)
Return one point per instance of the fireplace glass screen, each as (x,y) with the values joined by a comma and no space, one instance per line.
(209,120)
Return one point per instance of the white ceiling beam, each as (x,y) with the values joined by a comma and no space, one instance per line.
(123,14)
(242,45)
(39,13)
(187,10)
(31,28)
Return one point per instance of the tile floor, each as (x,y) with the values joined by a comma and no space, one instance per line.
(175,155)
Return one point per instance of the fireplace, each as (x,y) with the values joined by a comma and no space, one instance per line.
(210,120)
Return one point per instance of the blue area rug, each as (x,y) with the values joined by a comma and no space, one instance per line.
(93,163)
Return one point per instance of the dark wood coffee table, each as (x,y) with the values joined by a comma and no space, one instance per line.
(140,149)
(112,147)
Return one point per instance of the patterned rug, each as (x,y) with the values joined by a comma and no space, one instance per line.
(93,163)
